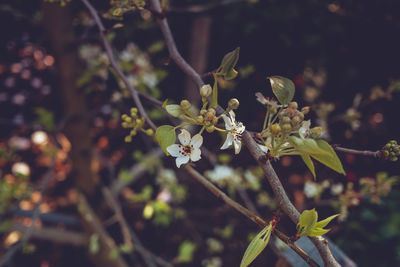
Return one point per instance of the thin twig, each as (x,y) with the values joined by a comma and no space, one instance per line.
(376,154)
(283,201)
(114,66)
(173,51)
(249,214)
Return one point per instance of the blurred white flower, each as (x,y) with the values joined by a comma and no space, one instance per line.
(235,130)
(189,149)
(221,175)
(310,189)
(19,143)
(336,189)
(21,168)
(39,138)
(304,130)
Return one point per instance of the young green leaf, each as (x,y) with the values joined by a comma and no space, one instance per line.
(228,64)
(256,246)
(283,89)
(214,98)
(320,150)
(165,136)
(308,225)
(307,160)
(174,110)
(330,159)
(307,220)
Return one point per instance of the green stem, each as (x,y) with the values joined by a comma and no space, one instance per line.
(266,119)
(202,129)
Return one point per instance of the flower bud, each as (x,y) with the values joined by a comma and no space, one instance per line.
(293,105)
(206,90)
(285,120)
(128,139)
(275,129)
(134,111)
(185,105)
(212,111)
(149,132)
(209,116)
(305,110)
(125,124)
(210,129)
(233,103)
(296,121)
(316,132)
(214,120)
(124,117)
(200,119)
(290,112)
(203,112)
(286,128)
(133,132)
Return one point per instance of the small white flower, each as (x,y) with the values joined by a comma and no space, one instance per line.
(304,130)
(222,175)
(189,149)
(235,130)
(310,189)
(336,189)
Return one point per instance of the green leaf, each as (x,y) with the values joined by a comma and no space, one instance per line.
(214,97)
(186,251)
(165,136)
(256,246)
(320,150)
(307,220)
(231,75)
(94,244)
(323,223)
(318,232)
(174,110)
(329,159)
(307,160)
(308,225)
(228,63)
(283,88)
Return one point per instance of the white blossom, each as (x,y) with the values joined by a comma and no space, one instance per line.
(221,175)
(336,189)
(310,189)
(304,130)
(235,130)
(189,149)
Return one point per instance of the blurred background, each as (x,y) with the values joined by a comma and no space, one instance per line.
(61,134)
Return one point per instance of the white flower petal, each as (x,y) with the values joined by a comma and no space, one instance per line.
(240,128)
(174,150)
(184,137)
(181,160)
(263,148)
(197,141)
(238,145)
(228,141)
(232,114)
(228,122)
(195,155)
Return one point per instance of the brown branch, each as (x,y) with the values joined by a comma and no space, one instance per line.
(249,214)
(53,234)
(173,51)
(147,256)
(284,203)
(376,154)
(92,221)
(114,66)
